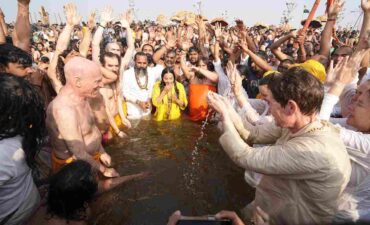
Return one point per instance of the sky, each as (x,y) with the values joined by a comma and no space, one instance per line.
(250,11)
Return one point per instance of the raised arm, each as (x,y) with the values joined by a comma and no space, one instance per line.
(365,5)
(22,28)
(86,40)
(333,11)
(72,19)
(301,51)
(126,20)
(188,74)
(275,47)
(256,59)
(3,28)
(2,32)
(245,35)
(105,17)
(171,43)
(212,76)
(3,23)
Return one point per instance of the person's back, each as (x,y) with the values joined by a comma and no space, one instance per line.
(22,132)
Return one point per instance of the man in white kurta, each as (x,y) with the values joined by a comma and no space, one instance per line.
(305,168)
(137,88)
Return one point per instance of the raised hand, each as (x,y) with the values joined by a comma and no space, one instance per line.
(346,70)
(365,5)
(72,17)
(91,20)
(364,42)
(335,9)
(24,2)
(106,15)
(301,39)
(218,30)
(126,18)
(1,14)
(171,41)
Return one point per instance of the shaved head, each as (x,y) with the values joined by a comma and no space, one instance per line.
(84,76)
(80,67)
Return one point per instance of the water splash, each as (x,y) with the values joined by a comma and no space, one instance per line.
(190,175)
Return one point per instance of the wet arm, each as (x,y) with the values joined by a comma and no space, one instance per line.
(22,27)
(130,50)
(85,43)
(71,134)
(275,47)
(98,36)
(258,60)
(62,45)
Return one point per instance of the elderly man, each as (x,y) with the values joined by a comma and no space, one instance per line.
(137,87)
(306,168)
(70,121)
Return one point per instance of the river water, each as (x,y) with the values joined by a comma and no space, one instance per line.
(199,185)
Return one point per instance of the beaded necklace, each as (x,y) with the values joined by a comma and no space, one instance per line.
(142,86)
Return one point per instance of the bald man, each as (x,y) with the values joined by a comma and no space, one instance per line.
(72,129)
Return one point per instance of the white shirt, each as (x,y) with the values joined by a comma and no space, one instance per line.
(156,71)
(132,92)
(16,182)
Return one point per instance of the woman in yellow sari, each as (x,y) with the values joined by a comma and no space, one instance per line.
(168,97)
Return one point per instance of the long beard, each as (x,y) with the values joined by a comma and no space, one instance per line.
(141,71)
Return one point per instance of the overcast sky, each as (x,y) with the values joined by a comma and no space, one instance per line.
(251,11)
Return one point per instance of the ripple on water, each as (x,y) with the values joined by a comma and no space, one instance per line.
(197,179)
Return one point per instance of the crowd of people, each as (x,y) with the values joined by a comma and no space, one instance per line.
(292,106)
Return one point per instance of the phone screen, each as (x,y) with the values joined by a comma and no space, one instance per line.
(204,222)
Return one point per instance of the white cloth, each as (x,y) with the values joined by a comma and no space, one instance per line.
(366,76)
(132,93)
(17,189)
(156,71)
(355,203)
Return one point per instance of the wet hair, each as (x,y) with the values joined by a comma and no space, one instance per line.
(109,55)
(162,84)
(300,86)
(23,114)
(70,189)
(11,54)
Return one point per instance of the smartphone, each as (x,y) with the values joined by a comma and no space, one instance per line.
(203,220)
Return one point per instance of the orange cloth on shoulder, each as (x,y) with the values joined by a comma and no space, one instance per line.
(198,105)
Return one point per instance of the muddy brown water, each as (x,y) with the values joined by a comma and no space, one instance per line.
(197,184)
